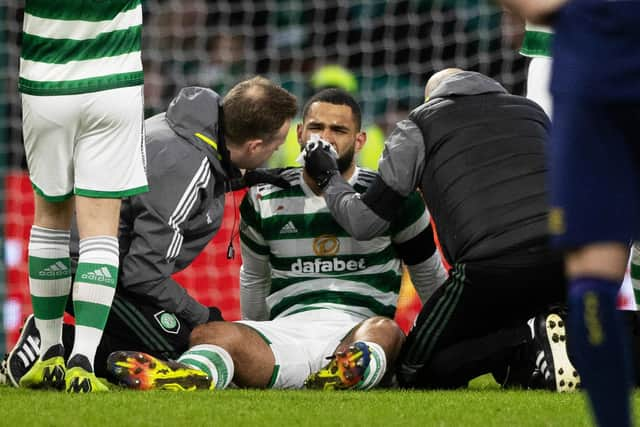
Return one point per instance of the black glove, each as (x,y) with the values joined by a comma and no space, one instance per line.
(320,164)
(214,315)
(261,176)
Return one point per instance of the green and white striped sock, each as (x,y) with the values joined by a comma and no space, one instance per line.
(376,369)
(49,281)
(213,360)
(93,290)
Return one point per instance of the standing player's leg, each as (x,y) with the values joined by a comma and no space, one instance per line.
(108,165)
(584,219)
(49,127)
(538,77)
(94,284)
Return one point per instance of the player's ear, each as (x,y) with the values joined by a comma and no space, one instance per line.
(254,145)
(361,139)
(299,129)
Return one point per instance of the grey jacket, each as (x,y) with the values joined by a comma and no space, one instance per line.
(162,231)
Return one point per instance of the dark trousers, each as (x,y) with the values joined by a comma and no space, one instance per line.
(476,322)
(136,326)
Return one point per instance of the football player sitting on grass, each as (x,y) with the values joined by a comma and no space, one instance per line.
(309,292)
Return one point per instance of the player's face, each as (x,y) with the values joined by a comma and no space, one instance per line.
(336,125)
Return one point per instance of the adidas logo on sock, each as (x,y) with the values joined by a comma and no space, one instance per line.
(98,275)
(57,269)
(288,228)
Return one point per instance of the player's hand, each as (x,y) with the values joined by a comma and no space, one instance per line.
(261,176)
(214,315)
(320,163)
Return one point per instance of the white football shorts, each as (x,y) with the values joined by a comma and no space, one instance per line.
(301,342)
(90,144)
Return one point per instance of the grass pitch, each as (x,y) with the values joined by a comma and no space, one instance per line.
(482,405)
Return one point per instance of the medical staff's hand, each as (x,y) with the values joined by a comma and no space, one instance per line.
(319,163)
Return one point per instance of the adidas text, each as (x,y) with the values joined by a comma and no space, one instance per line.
(57,269)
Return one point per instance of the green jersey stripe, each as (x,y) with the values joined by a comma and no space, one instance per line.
(387,281)
(537,43)
(253,246)
(62,51)
(79,9)
(412,210)
(248,214)
(80,30)
(71,87)
(328,285)
(307,225)
(345,298)
(335,265)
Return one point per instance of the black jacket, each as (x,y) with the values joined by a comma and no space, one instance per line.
(477,154)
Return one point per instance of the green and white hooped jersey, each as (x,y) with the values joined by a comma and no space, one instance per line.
(314,263)
(80,46)
(537,41)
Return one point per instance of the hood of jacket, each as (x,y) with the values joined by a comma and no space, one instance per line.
(466,83)
(195,114)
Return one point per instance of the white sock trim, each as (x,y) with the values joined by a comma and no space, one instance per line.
(377,366)
(216,359)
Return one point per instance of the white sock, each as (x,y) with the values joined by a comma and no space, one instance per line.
(213,360)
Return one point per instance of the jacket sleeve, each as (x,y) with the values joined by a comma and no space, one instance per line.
(413,237)
(158,218)
(368,215)
(255,273)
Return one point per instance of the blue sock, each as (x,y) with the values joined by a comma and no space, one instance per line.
(599,349)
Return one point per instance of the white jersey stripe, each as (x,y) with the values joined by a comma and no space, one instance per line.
(364,312)
(188,199)
(330,284)
(80,30)
(77,70)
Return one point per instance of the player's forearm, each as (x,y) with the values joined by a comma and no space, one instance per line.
(427,276)
(351,212)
